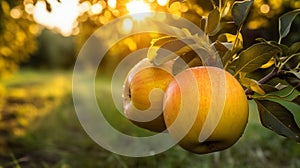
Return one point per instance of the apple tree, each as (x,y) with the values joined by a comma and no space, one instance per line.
(269,70)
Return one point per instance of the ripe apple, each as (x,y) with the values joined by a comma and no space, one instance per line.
(143,94)
(205,109)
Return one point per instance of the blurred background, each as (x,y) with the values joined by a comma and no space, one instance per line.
(39,43)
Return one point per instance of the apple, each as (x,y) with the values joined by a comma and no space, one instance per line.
(143,94)
(205,109)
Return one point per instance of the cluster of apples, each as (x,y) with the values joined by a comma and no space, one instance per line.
(196,101)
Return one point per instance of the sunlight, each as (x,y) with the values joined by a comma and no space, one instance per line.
(127,26)
(64,13)
(162,2)
(112,3)
(138,6)
(96,8)
(62,16)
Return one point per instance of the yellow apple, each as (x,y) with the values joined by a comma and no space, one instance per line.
(143,94)
(205,109)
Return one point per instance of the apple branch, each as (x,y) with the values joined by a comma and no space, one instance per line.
(263,80)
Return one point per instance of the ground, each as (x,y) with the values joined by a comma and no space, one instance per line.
(39,128)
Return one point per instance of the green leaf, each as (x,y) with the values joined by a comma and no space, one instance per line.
(254,57)
(297,74)
(240,10)
(231,38)
(223,49)
(169,50)
(292,61)
(162,40)
(222,46)
(295,82)
(294,48)
(213,21)
(285,22)
(284,48)
(270,88)
(279,119)
(252,84)
(296,100)
(269,63)
(189,59)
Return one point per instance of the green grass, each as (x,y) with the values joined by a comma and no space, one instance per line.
(39,128)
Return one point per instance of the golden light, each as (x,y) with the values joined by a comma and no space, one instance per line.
(29,8)
(62,16)
(96,9)
(138,6)
(84,6)
(295,4)
(162,2)
(265,8)
(34,29)
(127,26)
(131,44)
(112,3)
(175,8)
(15,13)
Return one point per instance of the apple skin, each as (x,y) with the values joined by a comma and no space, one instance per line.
(233,119)
(143,94)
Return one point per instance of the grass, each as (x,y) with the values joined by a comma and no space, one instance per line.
(39,128)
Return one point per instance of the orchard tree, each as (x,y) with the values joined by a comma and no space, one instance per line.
(17,36)
(268,70)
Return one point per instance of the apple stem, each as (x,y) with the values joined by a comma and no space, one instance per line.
(263,80)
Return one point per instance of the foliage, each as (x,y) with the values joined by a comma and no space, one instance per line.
(278,62)
(17,42)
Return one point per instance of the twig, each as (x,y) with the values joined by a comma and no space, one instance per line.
(263,80)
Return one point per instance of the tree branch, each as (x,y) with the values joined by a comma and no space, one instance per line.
(263,80)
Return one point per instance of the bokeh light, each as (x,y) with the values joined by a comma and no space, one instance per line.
(16,13)
(138,6)
(162,2)
(96,9)
(127,26)
(57,18)
(265,8)
(112,3)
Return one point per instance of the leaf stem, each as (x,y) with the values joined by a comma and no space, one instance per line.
(279,40)
(286,60)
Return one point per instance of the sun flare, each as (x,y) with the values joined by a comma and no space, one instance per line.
(62,17)
(138,6)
